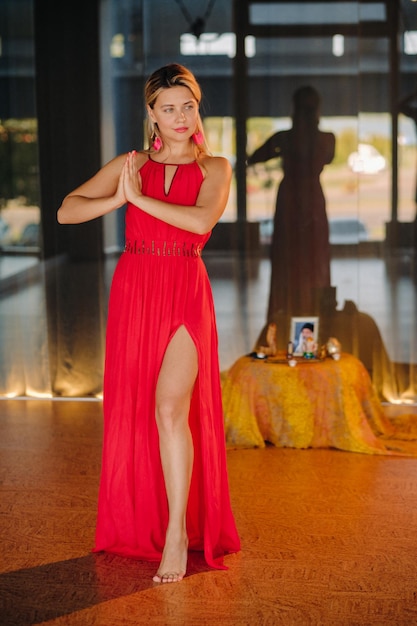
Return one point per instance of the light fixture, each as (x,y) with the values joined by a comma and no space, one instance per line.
(338,45)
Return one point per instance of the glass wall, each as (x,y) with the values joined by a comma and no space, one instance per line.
(19,183)
(24,358)
(289,45)
(368,186)
(139,41)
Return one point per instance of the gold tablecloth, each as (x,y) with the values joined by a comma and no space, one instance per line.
(316,404)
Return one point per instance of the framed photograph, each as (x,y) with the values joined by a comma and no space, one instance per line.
(301,329)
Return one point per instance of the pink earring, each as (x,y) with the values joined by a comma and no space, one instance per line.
(157,143)
(198,138)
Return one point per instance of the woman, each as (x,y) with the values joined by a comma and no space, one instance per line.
(300,249)
(164,486)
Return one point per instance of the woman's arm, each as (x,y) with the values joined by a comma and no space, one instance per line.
(99,195)
(211,201)
(271,149)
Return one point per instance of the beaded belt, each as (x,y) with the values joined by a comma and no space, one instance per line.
(164,248)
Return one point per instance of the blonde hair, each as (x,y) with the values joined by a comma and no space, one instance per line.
(173,75)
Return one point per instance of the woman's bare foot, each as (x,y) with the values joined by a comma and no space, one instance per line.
(174,561)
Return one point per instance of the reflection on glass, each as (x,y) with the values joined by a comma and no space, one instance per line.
(19,185)
(352,73)
(300,248)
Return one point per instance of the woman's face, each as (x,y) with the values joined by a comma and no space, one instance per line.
(176,113)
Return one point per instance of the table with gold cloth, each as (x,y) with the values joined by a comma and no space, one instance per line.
(316,404)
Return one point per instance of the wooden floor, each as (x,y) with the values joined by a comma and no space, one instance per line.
(328,538)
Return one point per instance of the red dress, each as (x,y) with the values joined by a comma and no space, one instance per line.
(160,283)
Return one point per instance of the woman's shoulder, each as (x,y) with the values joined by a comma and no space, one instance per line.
(142,157)
(216,168)
(329,140)
(215,163)
(327,135)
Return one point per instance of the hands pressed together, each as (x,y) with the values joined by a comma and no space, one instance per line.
(129,187)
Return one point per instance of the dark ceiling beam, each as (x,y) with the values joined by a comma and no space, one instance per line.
(321,1)
(365,29)
(371,28)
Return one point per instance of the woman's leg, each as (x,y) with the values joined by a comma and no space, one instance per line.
(173,395)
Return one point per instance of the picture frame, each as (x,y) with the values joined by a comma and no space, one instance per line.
(297,325)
